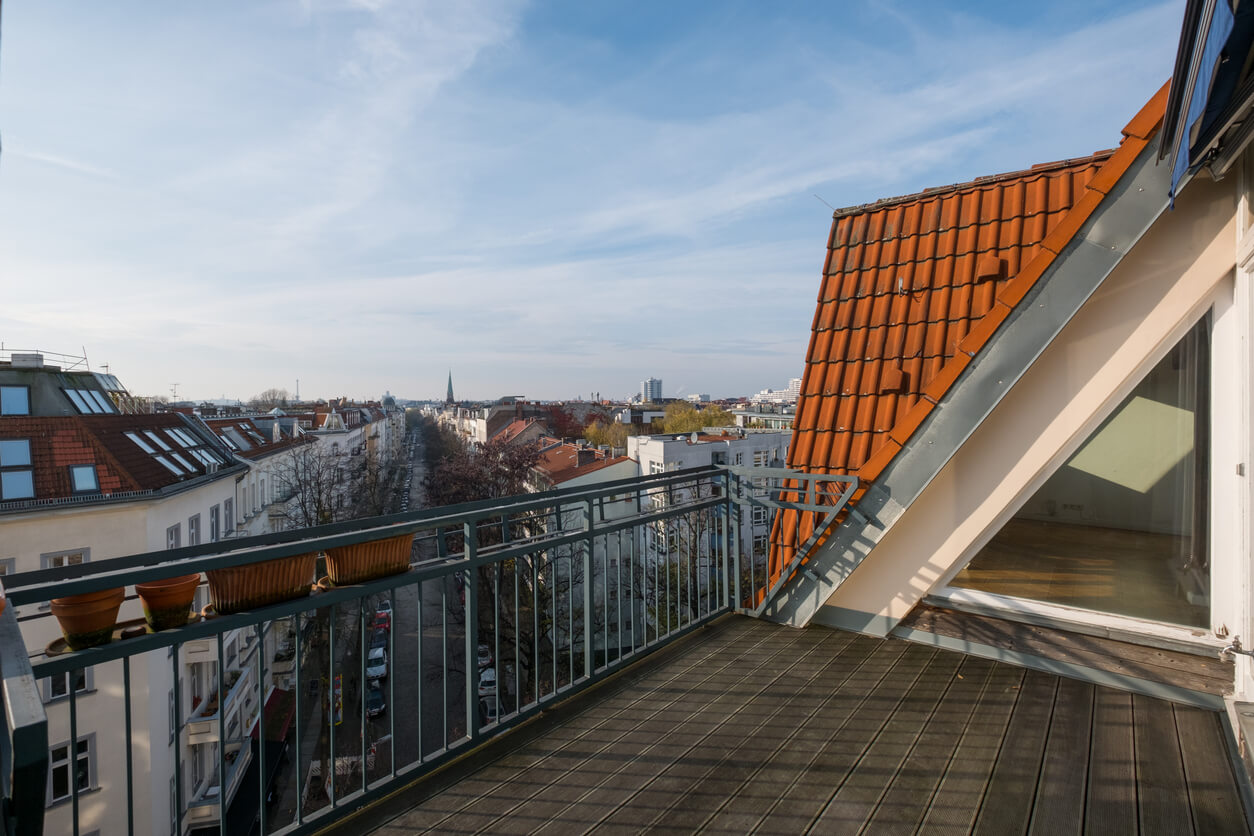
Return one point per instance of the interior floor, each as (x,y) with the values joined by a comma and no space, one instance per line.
(1132,573)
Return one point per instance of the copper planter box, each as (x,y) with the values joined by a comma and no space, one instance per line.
(248,587)
(365,561)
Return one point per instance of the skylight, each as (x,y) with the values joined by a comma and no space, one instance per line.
(156,439)
(170,466)
(140,443)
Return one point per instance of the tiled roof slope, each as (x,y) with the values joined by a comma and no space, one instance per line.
(57,443)
(914,287)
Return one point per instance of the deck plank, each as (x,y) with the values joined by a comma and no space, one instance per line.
(1112,770)
(1214,800)
(1007,805)
(1162,798)
(957,800)
(1059,806)
(907,800)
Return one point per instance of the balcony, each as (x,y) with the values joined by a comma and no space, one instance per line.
(203,724)
(724,723)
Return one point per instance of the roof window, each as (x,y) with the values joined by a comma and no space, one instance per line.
(17,479)
(14,400)
(83,477)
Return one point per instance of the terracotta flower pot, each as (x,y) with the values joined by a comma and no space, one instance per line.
(365,561)
(87,620)
(168,602)
(247,587)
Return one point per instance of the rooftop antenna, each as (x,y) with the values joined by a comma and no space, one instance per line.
(174,391)
(298,389)
(825,203)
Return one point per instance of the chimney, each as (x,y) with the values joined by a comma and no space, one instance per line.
(585,455)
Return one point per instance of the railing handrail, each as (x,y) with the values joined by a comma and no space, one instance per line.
(36,586)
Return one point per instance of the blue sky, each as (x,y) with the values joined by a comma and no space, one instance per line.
(550,199)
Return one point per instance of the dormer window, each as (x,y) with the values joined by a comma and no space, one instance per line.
(17,478)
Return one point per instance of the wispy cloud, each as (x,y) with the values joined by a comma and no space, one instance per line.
(366,192)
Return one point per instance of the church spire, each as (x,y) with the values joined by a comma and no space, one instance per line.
(449,399)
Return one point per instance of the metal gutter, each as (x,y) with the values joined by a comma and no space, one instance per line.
(1114,228)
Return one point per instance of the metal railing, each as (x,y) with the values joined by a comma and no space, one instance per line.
(508,607)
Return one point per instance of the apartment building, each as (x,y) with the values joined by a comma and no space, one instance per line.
(84,478)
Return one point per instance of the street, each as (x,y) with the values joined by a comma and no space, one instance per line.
(424,690)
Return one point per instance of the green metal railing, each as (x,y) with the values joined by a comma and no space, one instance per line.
(548,592)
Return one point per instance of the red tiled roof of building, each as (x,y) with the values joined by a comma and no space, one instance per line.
(514,429)
(58,443)
(915,286)
(560,463)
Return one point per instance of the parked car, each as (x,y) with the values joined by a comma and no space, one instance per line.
(377,664)
(385,606)
(375,704)
(382,621)
(487,682)
(489,712)
(379,638)
(485,655)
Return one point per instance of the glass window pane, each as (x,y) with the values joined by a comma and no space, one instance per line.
(16,484)
(1122,526)
(84,477)
(104,403)
(14,400)
(60,781)
(156,439)
(14,453)
(78,402)
(170,466)
(140,443)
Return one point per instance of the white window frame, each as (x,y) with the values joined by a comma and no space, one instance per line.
(215,523)
(69,763)
(55,560)
(46,686)
(8,565)
(174,536)
(193,530)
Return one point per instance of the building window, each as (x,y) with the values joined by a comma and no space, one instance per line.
(71,767)
(89,401)
(760,515)
(14,400)
(228,515)
(83,477)
(1121,526)
(760,545)
(173,537)
(193,530)
(8,565)
(215,524)
(174,720)
(656,467)
(72,557)
(58,687)
(17,478)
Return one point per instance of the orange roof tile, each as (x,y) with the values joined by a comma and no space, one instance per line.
(915,286)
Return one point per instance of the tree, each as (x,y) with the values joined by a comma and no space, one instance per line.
(269,399)
(613,434)
(683,417)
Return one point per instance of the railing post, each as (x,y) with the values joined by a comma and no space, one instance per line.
(586,547)
(471,614)
(24,745)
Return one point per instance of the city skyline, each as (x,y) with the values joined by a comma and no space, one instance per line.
(235,196)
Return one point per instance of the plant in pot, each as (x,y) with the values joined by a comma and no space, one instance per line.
(252,585)
(168,602)
(366,561)
(87,619)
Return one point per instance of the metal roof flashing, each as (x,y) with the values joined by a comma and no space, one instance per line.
(1133,204)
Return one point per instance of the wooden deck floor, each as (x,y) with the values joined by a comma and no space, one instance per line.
(755,728)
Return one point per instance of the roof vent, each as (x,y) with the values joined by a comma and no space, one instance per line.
(989,267)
